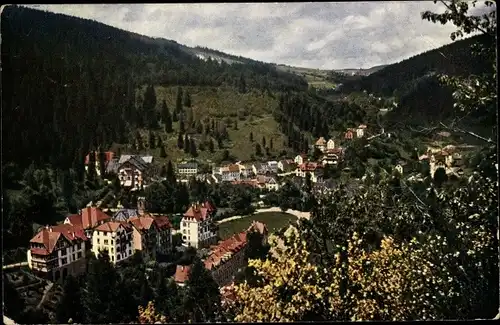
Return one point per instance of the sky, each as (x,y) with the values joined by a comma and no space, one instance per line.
(317,35)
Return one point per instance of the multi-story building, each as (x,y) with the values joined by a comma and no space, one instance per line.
(56,251)
(349,134)
(314,169)
(197,226)
(271,184)
(227,258)
(286,165)
(133,171)
(230,173)
(320,144)
(330,144)
(300,159)
(151,234)
(273,166)
(332,156)
(187,170)
(164,236)
(360,131)
(116,238)
(87,219)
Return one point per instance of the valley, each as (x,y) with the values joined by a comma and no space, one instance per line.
(149,181)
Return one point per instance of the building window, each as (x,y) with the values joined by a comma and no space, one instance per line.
(112,258)
(64,261)
(98,241)
(184,231)
(184,224)
(79,255)
(129,252)
(111,241)
(111,250)
(105,241)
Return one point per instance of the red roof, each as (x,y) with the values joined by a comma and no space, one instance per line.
(182,273)
(92,216)
(50,235)
(335,151)
(143,222)
(74,219)
(198,212)
(233,168)
(163,222)
(231,245)
(309,166)
(108,156)
(207,204)
(112,226)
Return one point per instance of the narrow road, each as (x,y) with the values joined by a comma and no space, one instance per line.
(45,293)
(11,266)
(298,214)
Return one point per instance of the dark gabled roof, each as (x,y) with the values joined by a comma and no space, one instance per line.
(137,162)
(188,165)
(125,214)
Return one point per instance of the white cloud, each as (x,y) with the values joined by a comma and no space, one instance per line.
(315,35)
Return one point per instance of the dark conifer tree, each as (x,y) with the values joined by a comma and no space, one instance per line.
(258,150)
(187,144)
(163,153)
(192,148)
(170,173)
(166,117)
(211,146)
(182,127)
(69,307)
(180,141)
(178,102)
(152,140)
(187,99)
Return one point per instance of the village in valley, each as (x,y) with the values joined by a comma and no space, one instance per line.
(147,181)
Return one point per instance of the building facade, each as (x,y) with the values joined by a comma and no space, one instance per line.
(197,226)
(116,237)
(58,251)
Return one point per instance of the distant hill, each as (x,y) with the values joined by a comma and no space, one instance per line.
(413,82)
(362,72)
(70,84)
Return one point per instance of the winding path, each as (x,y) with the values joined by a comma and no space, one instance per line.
(45,293)
(11,266)
(298,214)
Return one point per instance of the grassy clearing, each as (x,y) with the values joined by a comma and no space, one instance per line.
(223,104)
(273,220)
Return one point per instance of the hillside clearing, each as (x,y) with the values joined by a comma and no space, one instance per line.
(273,220)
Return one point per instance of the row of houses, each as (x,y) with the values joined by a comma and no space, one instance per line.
(58,250)
(226,258)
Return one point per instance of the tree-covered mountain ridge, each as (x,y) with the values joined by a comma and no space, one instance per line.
(70,84)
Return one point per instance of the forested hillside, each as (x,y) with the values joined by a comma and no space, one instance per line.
(414,84)
(69,84)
